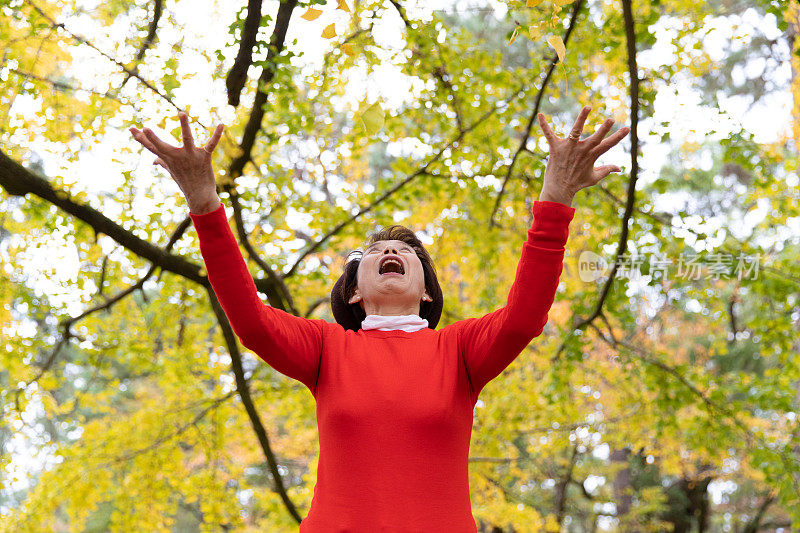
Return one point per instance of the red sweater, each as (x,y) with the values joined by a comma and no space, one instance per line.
(394,409)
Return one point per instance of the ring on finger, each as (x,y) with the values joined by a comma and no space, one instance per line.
(574,136)
(206,150)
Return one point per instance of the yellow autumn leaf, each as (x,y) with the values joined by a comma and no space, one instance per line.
(311,14)
(347,48)
(534,32)
(343,6)
(330,31)
(533,3)
(513,35)
(372,118)
(556,42)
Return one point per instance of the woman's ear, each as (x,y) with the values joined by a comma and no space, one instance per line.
(355,298)
(426,297)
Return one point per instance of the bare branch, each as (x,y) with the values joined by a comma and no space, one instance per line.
(576,8)
(19,181)
(411,177)
(253,125)
(314,306)
(243,389)
(103,272)
(237,76)
(441,74)
(401,12)
(283,299)
(61,86)
(158,7)
(622,246)
(561,488)
(66,325)
(83,40)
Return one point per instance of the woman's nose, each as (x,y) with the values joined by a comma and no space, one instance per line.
(390,250)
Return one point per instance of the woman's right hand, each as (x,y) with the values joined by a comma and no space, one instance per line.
(188,165)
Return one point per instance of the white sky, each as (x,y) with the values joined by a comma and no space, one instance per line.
(205,27)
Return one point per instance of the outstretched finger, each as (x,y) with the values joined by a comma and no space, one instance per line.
(141,139)
(158,143)
(599,173)
(186,132)
(212,142)
(600,133)
(577,128)
(160,162)
(609,142)
(548,133)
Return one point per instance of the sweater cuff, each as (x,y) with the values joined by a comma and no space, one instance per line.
(210,221)
(550,227)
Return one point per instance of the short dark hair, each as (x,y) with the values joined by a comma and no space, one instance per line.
(395,233)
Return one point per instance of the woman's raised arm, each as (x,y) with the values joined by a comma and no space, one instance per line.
(490,343)
(290,344)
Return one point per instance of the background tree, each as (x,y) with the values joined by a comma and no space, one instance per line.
(647,404)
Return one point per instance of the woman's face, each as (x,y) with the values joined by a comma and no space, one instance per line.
(390,279)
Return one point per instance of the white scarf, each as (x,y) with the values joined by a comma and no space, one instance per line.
(387,323)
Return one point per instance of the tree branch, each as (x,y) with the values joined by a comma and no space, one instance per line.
(401,12)
(243,389)
(622,246)
(61,86)
(237,76)
(282,298)
(314,305)
(576,8)
(253,125)
(19,181)
(411,177)
(158,7)
(66,325)
(83,40)
(713,406)
(561,488)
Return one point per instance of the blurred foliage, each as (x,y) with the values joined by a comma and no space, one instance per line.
(681,386)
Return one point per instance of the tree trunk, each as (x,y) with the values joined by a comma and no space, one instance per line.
(623,486)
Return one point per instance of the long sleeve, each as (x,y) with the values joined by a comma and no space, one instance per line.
(490,343)
(291,345)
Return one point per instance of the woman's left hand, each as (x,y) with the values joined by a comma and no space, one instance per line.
(570,166)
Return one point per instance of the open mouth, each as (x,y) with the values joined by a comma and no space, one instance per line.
(391,266)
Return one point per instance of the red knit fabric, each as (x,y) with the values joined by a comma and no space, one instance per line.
(394,409)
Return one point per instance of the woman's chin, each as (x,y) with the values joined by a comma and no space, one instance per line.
(392,279)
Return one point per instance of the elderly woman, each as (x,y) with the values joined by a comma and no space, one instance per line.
(394,396)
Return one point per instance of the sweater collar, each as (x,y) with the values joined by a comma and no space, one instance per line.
(408,323)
